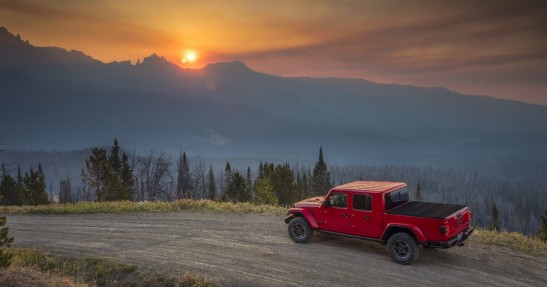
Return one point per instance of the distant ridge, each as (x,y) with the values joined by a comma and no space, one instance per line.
(58,99)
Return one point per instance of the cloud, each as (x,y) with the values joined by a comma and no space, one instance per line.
(449,43)
(89,26)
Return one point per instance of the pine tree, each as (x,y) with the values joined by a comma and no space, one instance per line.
(114,157)
(35,187)
(19,176)
(321,177)
(248,182)
(20,188)
(494,219)
(9,193)
(283,184)
(236,190)
(115,188)
(98,173)
(228,177)
(184,179)
(127,179)
(244,193)
(542,232)
(211,185)
(42,196)
(260,171)
(418,193)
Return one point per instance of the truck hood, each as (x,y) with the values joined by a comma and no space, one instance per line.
(310,202)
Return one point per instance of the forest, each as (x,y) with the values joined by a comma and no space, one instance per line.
(111,173)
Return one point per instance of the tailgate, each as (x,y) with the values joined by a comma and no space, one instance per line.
(458,222)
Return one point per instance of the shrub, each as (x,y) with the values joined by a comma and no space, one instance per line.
(6,241)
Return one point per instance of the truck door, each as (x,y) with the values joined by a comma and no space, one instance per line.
(335,217)
(363,221)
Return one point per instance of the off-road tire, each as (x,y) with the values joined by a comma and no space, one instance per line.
(402,248)
(299,230)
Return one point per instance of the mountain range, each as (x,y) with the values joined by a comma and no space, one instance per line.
(54,99)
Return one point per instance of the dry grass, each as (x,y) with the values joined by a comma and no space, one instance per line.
(31,267)
(19,276)
(513,240)
(144,206)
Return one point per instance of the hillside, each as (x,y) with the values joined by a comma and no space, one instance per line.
(53,99)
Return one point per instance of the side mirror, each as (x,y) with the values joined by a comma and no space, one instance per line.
(325,203)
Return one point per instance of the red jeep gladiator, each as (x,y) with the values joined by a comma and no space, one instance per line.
(382,212)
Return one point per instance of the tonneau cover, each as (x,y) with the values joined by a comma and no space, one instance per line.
(426,209)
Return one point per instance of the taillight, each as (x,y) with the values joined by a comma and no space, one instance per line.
(469,216)
(443,228)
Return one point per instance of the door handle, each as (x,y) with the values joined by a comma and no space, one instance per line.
(343,214)
(366,217)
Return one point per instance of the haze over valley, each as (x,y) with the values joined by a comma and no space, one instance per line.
(477,150)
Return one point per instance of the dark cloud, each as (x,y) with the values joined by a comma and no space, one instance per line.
(491,43)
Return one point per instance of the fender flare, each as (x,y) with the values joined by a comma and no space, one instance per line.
(415,230)
(305,213)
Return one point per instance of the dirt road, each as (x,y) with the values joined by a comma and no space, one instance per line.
(255,250)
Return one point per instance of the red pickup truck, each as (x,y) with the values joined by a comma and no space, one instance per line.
(382,212)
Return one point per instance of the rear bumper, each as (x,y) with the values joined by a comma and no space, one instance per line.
(461,237)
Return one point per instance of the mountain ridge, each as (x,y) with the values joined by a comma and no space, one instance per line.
(229,109)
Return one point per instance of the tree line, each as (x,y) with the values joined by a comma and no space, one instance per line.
(111,175)
(27,189)
(498,202)
(512,203)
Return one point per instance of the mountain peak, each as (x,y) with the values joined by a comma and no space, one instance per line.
(154,58)
(235,67)
(11,40)
(157,63)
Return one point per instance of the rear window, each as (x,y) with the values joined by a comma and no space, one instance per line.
(396,198)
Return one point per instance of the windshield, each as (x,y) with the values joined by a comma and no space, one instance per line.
(396,198)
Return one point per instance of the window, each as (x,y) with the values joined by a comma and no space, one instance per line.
(338,199)
(396,198)
(362,202)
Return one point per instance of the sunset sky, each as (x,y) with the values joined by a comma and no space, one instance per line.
(496,48)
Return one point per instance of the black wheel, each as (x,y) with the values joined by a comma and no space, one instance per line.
(299,230)
(402,248)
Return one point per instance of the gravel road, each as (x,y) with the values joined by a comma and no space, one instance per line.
(255,250)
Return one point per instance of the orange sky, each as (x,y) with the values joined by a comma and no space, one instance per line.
(485,49)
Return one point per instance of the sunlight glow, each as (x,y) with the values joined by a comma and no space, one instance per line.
(189,57)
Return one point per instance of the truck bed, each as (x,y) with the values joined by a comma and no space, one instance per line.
(426,209)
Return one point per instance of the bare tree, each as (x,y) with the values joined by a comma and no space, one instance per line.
(154,177)
(83,192)
(198,180)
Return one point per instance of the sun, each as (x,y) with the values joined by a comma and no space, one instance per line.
(189,57)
